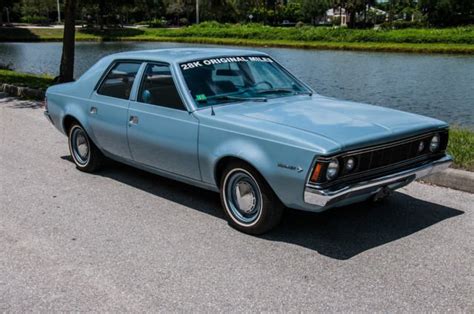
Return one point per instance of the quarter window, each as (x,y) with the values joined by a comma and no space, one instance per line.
(158,87)
(119,81)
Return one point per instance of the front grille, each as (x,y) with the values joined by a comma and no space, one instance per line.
(385,157)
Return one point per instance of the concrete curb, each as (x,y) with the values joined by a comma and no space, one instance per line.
(453,178)
(22,92)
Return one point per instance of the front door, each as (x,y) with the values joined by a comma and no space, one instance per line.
(161,133)
(108,108)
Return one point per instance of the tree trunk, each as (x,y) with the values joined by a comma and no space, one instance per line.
(352,21)
(101,14)
(66,70)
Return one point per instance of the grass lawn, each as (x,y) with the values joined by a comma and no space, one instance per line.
(448,40)
(461,140)
(23,79)
(461,147)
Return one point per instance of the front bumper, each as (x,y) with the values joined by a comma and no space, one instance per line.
(328,198)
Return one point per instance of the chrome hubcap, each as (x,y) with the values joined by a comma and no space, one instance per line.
(80,146)
(243,197)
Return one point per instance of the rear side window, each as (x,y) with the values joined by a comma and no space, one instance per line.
(158,88)
(119,81)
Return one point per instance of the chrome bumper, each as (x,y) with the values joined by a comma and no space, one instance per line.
(394,181)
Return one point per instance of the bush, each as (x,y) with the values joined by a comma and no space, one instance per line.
(6,66)
(210,24)
(183,21)
(157,23)
(402,25)
(458,35)
(35,19)
(299,24)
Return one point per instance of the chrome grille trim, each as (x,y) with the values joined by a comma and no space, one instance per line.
(382,148)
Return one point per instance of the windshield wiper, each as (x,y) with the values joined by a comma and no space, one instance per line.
(282,91)
(275,90)
(236,98)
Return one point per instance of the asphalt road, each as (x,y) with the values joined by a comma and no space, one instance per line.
(125,240)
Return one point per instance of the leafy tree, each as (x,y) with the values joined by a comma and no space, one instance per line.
(176,9)
(35,9)
(314,9)
(218,10)
(448,12)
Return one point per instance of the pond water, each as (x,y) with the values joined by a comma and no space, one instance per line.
(440,86)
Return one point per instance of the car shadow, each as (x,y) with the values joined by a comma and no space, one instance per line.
(342,233)
(339,233)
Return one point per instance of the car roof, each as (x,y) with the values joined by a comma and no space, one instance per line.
(180,55)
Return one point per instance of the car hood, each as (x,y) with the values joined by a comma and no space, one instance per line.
(350,124)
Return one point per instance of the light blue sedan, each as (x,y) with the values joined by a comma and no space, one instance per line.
(238,123)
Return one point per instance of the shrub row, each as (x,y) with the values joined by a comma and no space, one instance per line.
(459,35)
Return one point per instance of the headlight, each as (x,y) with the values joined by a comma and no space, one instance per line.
(434,144)
(350,164)
(333,169)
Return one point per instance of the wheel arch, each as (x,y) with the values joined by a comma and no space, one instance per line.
(222,162)
(68,121)
(70,118)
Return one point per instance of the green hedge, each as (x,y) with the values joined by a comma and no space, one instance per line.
(459,35)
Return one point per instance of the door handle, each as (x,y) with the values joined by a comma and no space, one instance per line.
(93,110)
(133,120)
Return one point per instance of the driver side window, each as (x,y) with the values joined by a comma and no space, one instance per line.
(158,88)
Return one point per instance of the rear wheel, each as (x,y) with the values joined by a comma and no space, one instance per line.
(249,203)
(85,154)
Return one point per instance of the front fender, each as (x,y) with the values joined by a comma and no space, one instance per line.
(284,167)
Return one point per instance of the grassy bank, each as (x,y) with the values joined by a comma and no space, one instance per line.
(448,40)
(461,147)
(23,79)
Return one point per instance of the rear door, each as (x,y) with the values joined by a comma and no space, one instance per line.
(108,108)
(161,133)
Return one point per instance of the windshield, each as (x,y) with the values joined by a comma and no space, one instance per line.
(233,79)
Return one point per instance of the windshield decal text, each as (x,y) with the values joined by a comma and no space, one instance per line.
(200,63)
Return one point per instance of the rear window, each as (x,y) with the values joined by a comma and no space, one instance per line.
(119,81)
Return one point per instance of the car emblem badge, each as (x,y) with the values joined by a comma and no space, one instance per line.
(296,168)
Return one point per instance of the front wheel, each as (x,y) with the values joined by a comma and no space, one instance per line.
(85,154)
(249,203)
